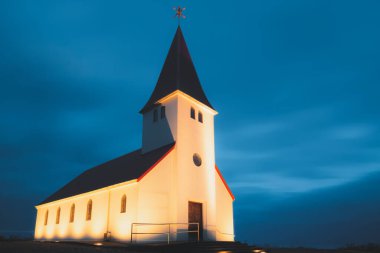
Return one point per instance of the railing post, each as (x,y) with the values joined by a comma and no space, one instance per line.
(169,235)
(198,231)
(131,232)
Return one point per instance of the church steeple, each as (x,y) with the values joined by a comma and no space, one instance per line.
(178,73)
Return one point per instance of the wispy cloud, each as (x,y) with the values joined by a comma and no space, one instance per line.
(297,152)
(352,132)
(281,124)
(277,182)
(256,129)
(273,183)
(234,154)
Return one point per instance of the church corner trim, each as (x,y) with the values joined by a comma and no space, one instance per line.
(155,164)
(224,182)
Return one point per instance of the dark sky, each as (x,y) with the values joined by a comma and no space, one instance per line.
(296,85)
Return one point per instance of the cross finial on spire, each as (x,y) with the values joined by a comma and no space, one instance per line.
(179,13)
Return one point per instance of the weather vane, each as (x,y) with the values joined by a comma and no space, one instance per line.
(179,13)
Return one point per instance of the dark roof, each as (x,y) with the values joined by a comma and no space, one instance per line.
(178,73)
(122,169)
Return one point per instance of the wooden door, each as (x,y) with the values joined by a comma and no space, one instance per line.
(195,215)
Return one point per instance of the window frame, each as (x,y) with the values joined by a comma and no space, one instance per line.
(72,213)
(163,112)
(123,204)
(197,159)
(200,117)
(89,210)
(192,113)
(58,216)
(46,217)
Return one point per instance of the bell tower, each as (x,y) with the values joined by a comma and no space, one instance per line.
(178,78)
(179,111)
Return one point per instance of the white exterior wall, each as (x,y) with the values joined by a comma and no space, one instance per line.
(120,223)
(163,131)
(156,199)
(196,184)
(80,228)
(149,200)
(224,214)
(104,201)
(192,183)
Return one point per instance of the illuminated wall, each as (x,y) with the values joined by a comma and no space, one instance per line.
(146,201)
(80,228)
(195,183)
(224,214)
(120,223)
(92,229)
(157,194)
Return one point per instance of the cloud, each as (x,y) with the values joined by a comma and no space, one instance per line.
(273,183)
(352,132)
(244,155)
(297,152)
(331,217)
(255,129)
(283,183)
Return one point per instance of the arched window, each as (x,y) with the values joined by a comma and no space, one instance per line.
(192,113)
(46,217)
(162,112)
(123,207)
(200,117)
(155,115)
(72,212)
(58,217)
(89,210)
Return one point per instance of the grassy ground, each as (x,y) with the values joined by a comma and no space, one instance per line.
(305,250)
(14,246)
(47,247)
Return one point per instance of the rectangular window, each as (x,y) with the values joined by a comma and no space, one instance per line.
(200,117)
(123,207)
(192,113)
(72,212)
(46,217)
(162,112)
(57,218)
(89,210)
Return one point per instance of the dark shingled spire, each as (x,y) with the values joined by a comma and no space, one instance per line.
(178,73)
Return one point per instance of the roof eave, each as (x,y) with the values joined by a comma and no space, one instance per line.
(41,204)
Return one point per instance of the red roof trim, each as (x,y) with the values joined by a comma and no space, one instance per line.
(155,164)
(224,182)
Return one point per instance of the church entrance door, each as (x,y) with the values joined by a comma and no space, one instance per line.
(195,216)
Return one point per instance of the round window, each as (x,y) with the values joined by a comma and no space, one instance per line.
(197,159)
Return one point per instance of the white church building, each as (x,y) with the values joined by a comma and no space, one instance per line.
(170,189)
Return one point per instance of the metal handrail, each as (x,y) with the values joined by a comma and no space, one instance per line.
(168,233)
(218,231)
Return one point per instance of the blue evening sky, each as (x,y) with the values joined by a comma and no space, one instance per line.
(296,85)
